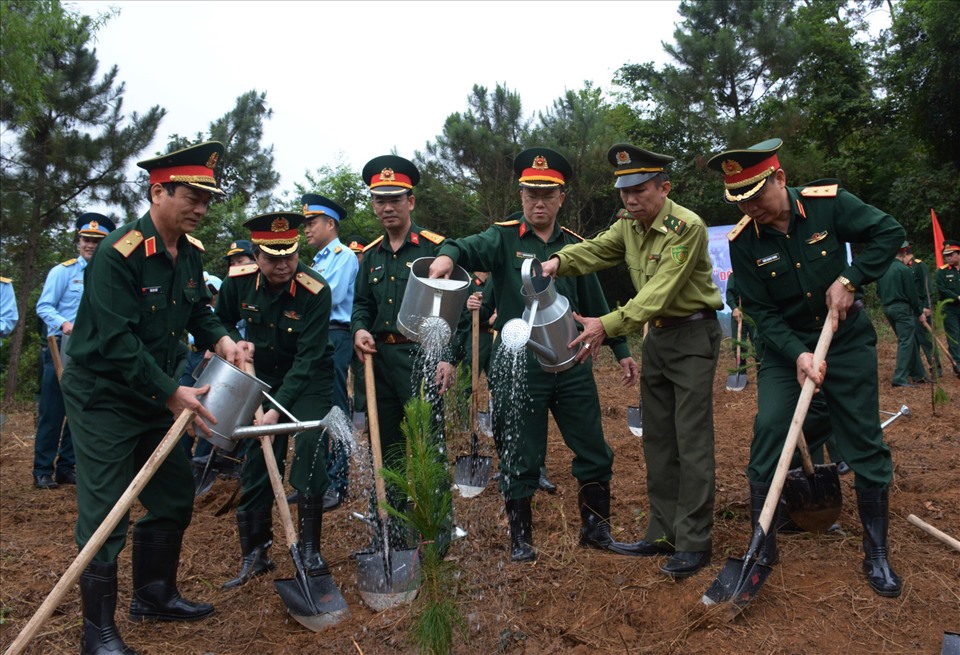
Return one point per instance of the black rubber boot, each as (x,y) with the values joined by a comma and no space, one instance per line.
(156,557)
(98,596)
(595,521)
(544,483)
(873,506)
(521,530)
(310,516)
(770,554)
(256,536)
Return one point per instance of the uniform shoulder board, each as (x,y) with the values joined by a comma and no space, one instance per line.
(310,284)
(69,262)
(917,260)
(240,271)
(675,224)
(375,242)
(196,243)
(5,280)
(432,237)
(822,191)
(738,228)
(945,267)
(129,243)
(507,223)
(336,251)
(572,233)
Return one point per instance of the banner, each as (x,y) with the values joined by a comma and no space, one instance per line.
(937,238)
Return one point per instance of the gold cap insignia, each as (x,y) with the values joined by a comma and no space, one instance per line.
(731,167)
(212,161)
(623,157)
(233,245)
(280,225)
(94,225)
(540,163)
(386,175)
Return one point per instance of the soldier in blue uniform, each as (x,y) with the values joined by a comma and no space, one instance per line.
(789,256)
(57,308)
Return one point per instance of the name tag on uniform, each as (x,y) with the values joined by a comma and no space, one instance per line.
(249,307)
(376,268)
(653,258)
(525,255)
(148,291)
(77,281)
(763,261)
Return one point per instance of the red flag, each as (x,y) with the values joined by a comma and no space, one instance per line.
(937,238)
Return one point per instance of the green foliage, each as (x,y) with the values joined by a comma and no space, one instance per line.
(456,400)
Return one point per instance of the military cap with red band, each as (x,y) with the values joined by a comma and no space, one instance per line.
(541,167)
(193,167)
(276,233)
(390,175)
(746,171)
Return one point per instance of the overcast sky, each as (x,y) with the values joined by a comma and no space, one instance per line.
(352,80)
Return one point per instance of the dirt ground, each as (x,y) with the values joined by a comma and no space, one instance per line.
(572,600)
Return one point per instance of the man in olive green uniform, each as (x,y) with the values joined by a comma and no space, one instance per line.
(379,290)
(948,288)
(924,285)
(286,307)
(144,287)
(665,248)
(903,309)
(789,256)
(571,395)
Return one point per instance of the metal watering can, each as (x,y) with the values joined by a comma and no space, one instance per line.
(430,309)
(547,325)
(233,399)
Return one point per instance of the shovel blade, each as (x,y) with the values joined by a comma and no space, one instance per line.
(381,591)
(814,502)
(328,606)
(736,585)
(951,644)
(736,382)
(485,423)
(471,474)
(635,420)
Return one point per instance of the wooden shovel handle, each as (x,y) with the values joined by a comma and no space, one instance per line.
(55,356)
(943,348)
(933,532)
(270,460)
(167,444)
(739,335)
(475,369)
(373,421)
(793,434)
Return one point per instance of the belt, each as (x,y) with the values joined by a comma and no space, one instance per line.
(671,321)
(391,338)
(337,325)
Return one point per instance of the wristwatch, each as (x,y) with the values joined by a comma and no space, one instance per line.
(847,283)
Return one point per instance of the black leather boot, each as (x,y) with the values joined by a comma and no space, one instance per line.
(256,536)
(156,557)
(98,596)
(521,530)
(770,554)
(310,516)
(595,521)
(873,506)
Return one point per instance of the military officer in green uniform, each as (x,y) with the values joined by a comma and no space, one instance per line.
(379,290)
(789,256)
(286,307)
(665,248)
(144,287)
(924,285)
(902,307)
(948,288)
(570,395)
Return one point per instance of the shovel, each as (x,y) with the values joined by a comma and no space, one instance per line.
(119,511)
(741,579)
(384,579)
(737,381)
(471,473)
(55,356)
(813,494)
(314,602)
(485,419)
(635,414)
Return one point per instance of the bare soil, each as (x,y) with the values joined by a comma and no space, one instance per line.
(572,600)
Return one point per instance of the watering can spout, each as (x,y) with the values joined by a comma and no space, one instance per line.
(545,353)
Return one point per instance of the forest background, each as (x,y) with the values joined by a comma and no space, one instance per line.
(880,112)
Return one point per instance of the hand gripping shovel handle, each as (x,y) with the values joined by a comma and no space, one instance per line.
(119,510)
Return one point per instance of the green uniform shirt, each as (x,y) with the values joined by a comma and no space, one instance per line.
(669,264)
(896,286)
(783,278)
(289,329)
(135,308)
(948,284)
(921,279)
(502,249)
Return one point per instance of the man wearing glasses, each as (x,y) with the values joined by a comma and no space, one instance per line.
(570,395)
